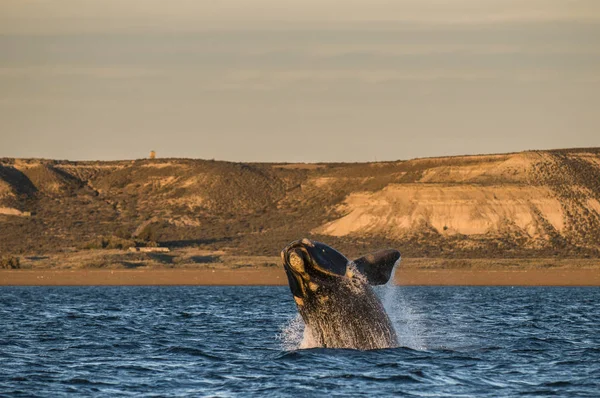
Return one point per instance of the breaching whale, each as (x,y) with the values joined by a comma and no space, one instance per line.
(334,296)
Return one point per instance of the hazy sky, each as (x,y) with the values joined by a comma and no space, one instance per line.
(283,80)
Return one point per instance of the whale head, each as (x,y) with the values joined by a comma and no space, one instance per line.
(308,264)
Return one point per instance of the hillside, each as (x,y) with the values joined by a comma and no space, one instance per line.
(521,204)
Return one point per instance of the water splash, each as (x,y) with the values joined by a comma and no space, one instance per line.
(295,335)
(308,341)
(406,322)
(291,334)
(357,282)
(389,289)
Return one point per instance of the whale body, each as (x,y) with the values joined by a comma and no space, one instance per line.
(334,296)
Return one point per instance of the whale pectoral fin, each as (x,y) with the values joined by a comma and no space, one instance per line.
(377,267)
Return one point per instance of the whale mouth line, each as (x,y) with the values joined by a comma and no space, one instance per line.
(295,268)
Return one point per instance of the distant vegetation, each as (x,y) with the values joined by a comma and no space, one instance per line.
(10,262)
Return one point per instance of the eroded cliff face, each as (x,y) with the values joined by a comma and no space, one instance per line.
(400,209)
(540,199)
(480,205)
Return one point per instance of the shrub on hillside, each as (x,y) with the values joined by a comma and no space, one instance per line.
(109,242)
(10,262)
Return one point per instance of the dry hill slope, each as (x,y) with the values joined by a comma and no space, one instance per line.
(529,203)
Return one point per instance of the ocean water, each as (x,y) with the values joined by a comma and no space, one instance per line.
(242,341)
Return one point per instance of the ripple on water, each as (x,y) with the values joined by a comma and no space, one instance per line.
(191,351)
(182,341)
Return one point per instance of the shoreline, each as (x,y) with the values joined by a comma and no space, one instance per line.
(277,277)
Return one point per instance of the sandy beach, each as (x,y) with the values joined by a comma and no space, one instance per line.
(276,276)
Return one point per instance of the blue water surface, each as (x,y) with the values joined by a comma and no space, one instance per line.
(238,341)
